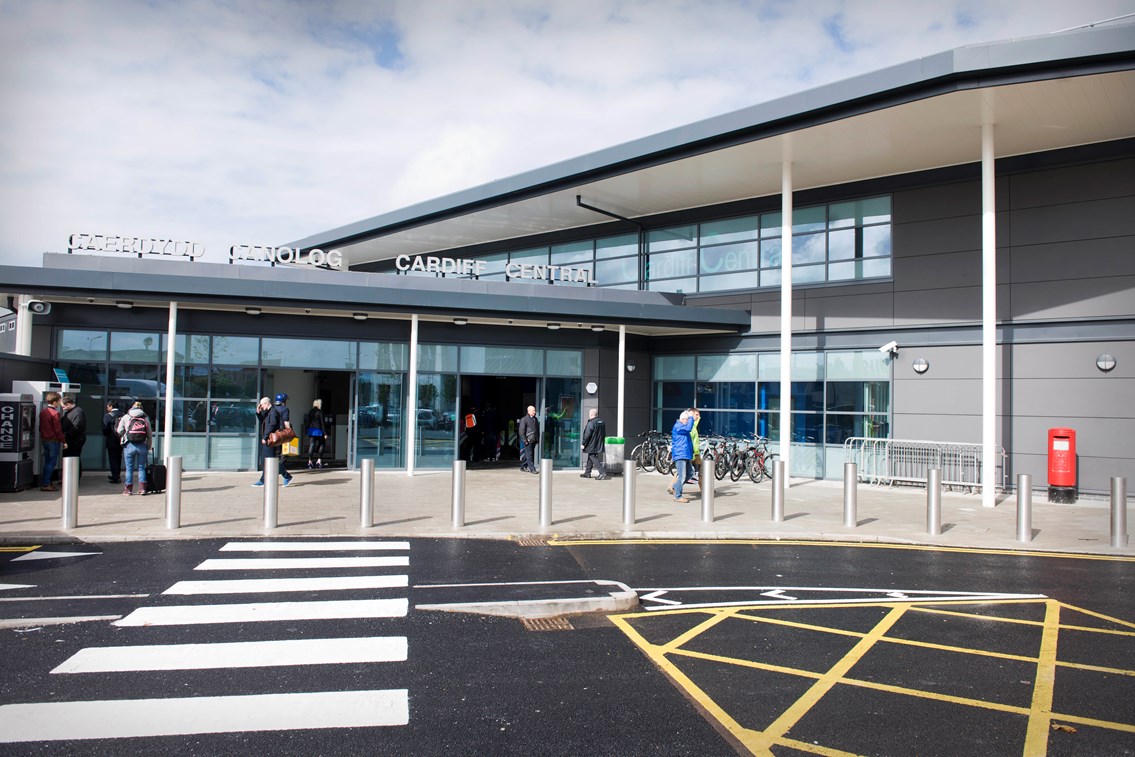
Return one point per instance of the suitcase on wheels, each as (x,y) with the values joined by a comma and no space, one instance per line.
(155,477)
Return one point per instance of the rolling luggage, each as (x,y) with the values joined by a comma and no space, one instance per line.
(155,476)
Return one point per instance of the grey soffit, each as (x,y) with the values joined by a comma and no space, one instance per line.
(914,116)
(234,286)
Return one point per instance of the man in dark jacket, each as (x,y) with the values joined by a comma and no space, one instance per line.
(594,445)
(74,423)
(528,432)
(110,421)
(273,418)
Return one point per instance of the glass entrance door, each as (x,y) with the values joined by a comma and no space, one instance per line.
(562,422)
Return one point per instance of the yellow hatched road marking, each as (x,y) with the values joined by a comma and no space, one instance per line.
(21,549)
(1036,738)
(1101,616)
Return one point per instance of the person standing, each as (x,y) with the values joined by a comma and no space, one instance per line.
(74,424)
(694,441)
(316,437)
(682,451)
(528,432)
(594,445)
(136,434)
(110,420)
(51,438)
(275,418)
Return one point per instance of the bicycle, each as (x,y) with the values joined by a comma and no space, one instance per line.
(645,452)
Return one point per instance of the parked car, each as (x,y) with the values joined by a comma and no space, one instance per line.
(426,419)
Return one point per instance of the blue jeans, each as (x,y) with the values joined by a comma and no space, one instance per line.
(683,470)
(135,455)
(50,461)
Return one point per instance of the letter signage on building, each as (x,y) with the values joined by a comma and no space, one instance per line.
(473,267)
(135,245)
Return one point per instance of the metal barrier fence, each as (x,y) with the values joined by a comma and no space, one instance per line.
(894,461)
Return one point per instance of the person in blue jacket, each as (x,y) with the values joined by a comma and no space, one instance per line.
(682,450)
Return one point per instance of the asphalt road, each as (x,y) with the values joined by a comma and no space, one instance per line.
(736,648)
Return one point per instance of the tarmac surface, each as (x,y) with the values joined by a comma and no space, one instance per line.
(502,502)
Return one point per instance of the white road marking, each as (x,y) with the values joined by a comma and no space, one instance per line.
(812,595)
(312,546)
(73,596)
(245,654)
(58,721)
(777,594)
(41,555)
(258,585)
(265,611)
(32,622)
(290,563)
(16,586)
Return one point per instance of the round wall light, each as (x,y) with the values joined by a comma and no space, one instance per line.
(1105,362)
(920,366)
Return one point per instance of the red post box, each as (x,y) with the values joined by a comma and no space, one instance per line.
(1062,465)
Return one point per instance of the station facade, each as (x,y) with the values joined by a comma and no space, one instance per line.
(940,251)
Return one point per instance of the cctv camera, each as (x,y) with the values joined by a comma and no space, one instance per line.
(891,347)
(38,307)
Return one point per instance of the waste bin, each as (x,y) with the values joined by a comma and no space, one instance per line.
(613,457)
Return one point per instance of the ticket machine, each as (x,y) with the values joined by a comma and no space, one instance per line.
(17,442)
(37,389)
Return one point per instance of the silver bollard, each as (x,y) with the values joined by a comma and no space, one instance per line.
(778,491)
(850,495)
(271,491)
(629,473)
(70,492)
(934,502)
(366,494)
(1118,512)
(173,491)
(546,493)
(706,482)
(1024,507)
(458,493)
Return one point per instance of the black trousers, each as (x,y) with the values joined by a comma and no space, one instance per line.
(114,459)
(266,452)
(595,459)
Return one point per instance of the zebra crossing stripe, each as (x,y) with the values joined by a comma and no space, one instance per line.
(313,546)
(264,585)
(244,654)
(264,611)
(124,718)
(293,563)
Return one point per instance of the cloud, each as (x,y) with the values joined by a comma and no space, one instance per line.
(261,122)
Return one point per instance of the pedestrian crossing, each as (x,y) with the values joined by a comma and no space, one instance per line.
(253,710)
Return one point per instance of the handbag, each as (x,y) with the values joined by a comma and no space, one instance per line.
(290,449)
(277,438)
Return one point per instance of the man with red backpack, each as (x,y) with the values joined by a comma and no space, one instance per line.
(136,434)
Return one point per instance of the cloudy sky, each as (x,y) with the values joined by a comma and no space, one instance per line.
(264,121)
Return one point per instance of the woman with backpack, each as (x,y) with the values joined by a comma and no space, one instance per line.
(136,434)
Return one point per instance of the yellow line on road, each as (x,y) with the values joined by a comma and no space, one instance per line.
(21,549)
(1036,738)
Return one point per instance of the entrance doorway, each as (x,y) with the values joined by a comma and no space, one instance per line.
(498,402)
(303,387)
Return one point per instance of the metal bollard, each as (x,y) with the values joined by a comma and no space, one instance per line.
(366,494)
(70,492)
(545,492)
(1118,512)
(778,491)
(458,493)
(705,482)
(629,473)
(850,495)
(271,491)
(934,502)
(173,491)
(1024,507)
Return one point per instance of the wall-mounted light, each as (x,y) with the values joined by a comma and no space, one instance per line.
(1105,362)
(253,311)
(596,328)
(359,316)
(631,366)
(553,326)
(124,304)
(460,321)
(920,366)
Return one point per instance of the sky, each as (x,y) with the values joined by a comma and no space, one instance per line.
(259,122)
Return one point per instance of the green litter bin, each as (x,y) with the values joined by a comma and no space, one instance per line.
(613,457)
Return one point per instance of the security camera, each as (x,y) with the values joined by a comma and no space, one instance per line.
(38,307)
(890,347)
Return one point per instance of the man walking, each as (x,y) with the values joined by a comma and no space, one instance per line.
(73,421)
(682,450)
(274,418)
(594,445)
(528,432)
(110,421)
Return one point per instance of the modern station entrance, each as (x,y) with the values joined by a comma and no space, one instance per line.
(496,404)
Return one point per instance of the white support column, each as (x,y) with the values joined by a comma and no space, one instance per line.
(171,336)
(786,316)
(622,379)
(411,411)
(988,317)
(23,326)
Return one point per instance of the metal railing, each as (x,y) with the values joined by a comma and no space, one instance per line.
(908,461)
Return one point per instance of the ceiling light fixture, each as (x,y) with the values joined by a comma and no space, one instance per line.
(253,311)
(359,316)
(124,304)
(553,326)
(460,321)
(596,327)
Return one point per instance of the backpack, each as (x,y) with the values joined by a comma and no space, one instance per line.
(136,431)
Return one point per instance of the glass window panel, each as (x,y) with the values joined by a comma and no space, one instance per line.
(437,358)
(876,241)
(234,452)
(725,423)
(807,428)
(188,348)
(843,271)
(564,363)
(191,380)
(729,258)
(842,215)
(573,252)
(808,395)
(729,230)
(81,345)
(876,268)
(236,350)
(858,396)
(728,281)
(88,375)
(771,278)
(875,210)
(382,356)
(132,382)
(808,248)
(771,225)
(726,395)
(616,247)
(494,264)
(189,416)
(674,368)
(437,393)
(806,365)
(134,347)
(842,427)
(380,424)
(768,426)
(533,256)
(770,253)
(616,271)
(193,450)
(768,366)
(681,286)
(727,368)
(674,238)
(233,383)
(808,274)
(768,395)
(500,361)
(841,244)
(563,280)
(676,394)
(865,364)
(308,353)
(806,220)
(672,265)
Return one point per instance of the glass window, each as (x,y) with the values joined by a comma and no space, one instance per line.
(616,271)
(807,274)
(675,238)
(380,418)
(238,382)
(188,348)
(502,361)
(494,264)
(134,347)
(724,423)
(863,364)
(809,248)
(729,230)
(841,244)
(674,368)
(236,350)
(437,358)
(728,281)
(672,265)
(729,258)
(534,256)
(616,247)
(81,345)
(770,253)
(676,394)
(438,394)
(842,427)
(191,380)
(573,252)
(681,286)
(727,368)
(858,396)
(807,220)
(876,241)
(308,353)
(727,395)
(564,363)
(382,356)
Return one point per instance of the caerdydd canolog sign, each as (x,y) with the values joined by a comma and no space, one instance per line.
(178,248)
